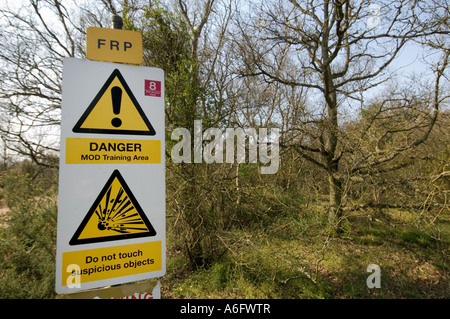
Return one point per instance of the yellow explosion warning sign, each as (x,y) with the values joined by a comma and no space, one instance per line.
(115,215)
(114,110)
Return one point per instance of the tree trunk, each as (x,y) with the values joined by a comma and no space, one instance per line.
(335,209)
(332,161)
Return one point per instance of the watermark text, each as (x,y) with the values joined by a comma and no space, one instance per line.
(208,146)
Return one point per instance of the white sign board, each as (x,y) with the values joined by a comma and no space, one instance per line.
(111,207)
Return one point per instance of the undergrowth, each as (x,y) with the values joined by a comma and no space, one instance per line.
(296,257)
(27,238)
(287,253)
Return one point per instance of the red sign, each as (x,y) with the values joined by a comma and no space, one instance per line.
(152,88)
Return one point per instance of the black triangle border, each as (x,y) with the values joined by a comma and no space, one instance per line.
(116,73)
(115,174)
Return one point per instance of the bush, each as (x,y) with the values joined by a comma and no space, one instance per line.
(28,238)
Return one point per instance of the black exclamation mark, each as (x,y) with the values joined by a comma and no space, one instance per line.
(116,94)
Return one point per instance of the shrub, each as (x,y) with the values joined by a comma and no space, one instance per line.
(27,238)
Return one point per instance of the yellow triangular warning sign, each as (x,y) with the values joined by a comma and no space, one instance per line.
(115,215)
(114,110)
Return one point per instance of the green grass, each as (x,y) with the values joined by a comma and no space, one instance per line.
(294,257)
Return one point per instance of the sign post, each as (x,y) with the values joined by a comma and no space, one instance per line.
(111,206)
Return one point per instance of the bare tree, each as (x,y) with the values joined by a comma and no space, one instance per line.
(36,36)
(339,50)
